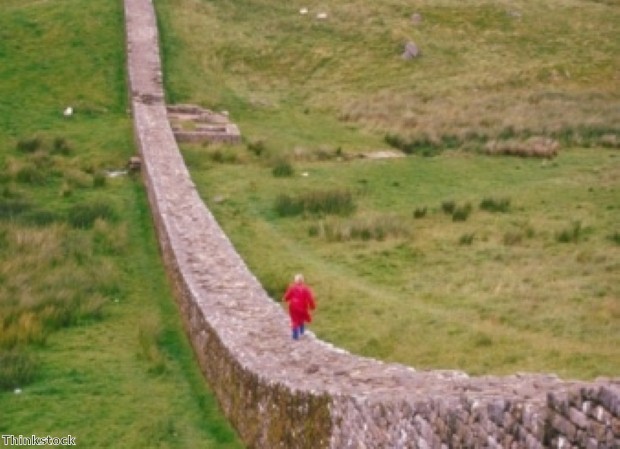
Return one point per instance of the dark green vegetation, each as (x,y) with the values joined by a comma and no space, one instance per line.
(462,260)
(89,332)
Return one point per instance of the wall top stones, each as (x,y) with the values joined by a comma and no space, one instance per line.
(263,378)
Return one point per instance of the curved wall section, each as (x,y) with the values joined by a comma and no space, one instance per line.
(308,394)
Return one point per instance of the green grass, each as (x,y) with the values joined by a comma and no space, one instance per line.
(489,70)
(91,343)
(497,293)
(520,290)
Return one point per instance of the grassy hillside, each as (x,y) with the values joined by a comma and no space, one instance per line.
(487,264)
(488,69)
(90,339)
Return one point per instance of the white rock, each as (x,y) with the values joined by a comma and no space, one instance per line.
(321,16)
(303,11)
(68,112)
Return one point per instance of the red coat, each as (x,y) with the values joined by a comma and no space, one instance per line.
(300,301)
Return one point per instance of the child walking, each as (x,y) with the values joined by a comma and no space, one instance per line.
(300,301)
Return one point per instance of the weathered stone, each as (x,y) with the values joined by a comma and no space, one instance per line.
(564,426)
(597,430)
(591,443)
(411,51)
(577,418)
(610,399)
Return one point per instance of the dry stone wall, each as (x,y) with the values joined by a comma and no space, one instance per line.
(281,393)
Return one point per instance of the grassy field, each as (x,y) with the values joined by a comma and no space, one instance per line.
(487,264)
(91,343)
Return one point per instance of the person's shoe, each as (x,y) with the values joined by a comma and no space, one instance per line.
(302,329)
(295,334)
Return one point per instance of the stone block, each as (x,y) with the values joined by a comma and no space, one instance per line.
(577,418)
(564,427)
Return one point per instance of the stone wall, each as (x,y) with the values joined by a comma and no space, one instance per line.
(279,393)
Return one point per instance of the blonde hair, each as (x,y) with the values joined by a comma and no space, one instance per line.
(299,278)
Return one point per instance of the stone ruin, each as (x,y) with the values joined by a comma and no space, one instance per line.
(191,123)
(280,393)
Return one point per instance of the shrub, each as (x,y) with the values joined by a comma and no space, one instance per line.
(29,145)
(420,212)
(461,213)
(495,204)
(16,369)
(570,235)
(282,168)
(84,215)
(615,237)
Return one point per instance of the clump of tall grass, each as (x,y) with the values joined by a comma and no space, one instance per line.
(535,146)
(84,215)
(12,208)
(615,237)
(258,147)
(512,238)
(223,157)
(326,202)
(29,144)
(419,212)
(149,344)
(21,326)
(371,228)
(495,204)
(99,179)
(108,238)
(42,217)
(461,213)
(282,168)
(60,145)
(448,206)
(467,239)
(29,173)
(16,369)
(422,146)
(458,212)
(77,178)
(571,234)
(53,279)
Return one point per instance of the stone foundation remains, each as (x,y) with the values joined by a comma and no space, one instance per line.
(279,393)
(191,123)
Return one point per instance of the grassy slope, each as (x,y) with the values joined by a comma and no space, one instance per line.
(486,66)
(532,304)
(516,299)
(123,375)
